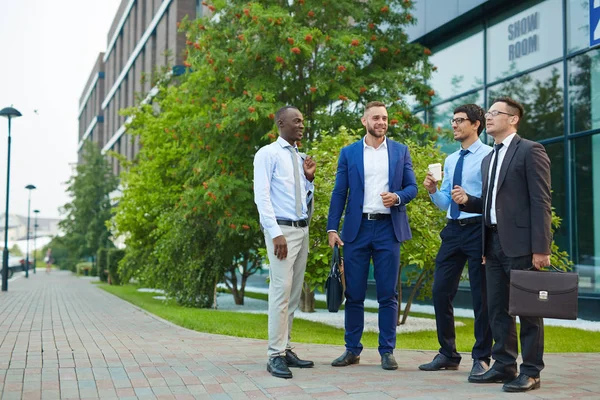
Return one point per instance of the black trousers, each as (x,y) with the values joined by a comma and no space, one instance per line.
(504,328)
(459,245)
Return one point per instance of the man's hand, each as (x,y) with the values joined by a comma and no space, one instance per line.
(430,183)
(309,166)
(389,199)
(280,245)
(334,239)
(459,195)
(483,260)
(540,260)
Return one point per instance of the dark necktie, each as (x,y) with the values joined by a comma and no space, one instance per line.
(488,198)
(457,180)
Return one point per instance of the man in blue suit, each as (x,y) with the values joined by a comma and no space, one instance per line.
(374,182)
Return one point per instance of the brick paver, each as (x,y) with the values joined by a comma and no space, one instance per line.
(63,338)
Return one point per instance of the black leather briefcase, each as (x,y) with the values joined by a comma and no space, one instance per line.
(335,284)
(543,294)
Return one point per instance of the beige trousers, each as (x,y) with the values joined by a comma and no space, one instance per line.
(285,287)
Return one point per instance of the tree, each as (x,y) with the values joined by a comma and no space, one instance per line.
(86,215)
(189,192)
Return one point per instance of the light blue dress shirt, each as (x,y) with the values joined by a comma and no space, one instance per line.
(274,186)
(471,177)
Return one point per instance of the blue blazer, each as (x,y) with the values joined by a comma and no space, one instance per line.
(350,185)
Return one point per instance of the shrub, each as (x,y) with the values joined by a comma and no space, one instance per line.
(102,263)
(113,259)
(83,268)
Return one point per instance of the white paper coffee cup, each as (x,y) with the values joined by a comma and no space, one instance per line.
(436,170)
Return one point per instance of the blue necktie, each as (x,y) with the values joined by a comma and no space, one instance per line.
(457,180)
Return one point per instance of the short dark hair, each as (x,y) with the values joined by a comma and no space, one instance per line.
(372,104)
(474,113)
(281,112)
(514,106)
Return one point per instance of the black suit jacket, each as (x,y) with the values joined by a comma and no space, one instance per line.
(523,199)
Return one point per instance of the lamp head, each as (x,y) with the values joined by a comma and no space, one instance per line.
(30,187)
(36,211)
(9,112)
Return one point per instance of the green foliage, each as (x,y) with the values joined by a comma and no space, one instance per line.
(113,258)
(16,251)
(83,268)
(63,256)
(102,263)
(248,325)
(325,152)
(86,215)
(187,213)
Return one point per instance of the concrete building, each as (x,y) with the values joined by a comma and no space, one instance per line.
(141,41)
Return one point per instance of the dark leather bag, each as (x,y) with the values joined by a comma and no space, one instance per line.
(543,294)
(335,284)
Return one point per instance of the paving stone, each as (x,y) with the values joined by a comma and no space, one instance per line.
(57,341)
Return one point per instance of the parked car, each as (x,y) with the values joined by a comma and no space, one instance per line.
(16,264)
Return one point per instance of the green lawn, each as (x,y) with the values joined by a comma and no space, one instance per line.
(255,326)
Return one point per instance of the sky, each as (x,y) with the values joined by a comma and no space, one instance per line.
(47,54)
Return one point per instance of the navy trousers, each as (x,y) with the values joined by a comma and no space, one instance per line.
(459,245)
(376,241)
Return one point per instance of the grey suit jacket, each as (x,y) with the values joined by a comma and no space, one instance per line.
(523,199)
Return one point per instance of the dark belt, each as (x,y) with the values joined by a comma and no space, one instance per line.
(465,221)
(493,228)
(303,223)
(377,217)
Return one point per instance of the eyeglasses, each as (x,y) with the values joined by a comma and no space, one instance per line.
(495,114)
(458,121)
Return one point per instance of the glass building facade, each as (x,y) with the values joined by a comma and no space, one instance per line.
(538,53)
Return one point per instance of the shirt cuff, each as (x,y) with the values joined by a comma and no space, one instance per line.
(399,201)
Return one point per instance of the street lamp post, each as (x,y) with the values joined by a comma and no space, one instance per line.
(35,226)
(9,113)
(30,188)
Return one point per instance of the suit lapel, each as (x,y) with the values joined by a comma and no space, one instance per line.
(359,158)
(510,152)
(392,161)
(485,170)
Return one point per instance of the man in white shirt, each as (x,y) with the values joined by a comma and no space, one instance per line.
(373,183)
(282,180)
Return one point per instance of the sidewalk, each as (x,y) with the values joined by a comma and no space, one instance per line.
(61,337)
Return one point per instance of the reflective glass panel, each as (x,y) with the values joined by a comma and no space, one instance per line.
(578,26)
(557,170)
(541,94)
(524,39)
(584,92)
(459,66)
(585,159)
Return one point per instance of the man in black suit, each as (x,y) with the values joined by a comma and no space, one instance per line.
(516,205)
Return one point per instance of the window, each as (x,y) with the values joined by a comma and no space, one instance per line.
(585,162)
(524,39)
(584,92)
(440,116)
(459,66)
(556,152)
(541,93)
(578,28)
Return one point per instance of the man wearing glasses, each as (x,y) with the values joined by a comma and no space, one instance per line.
(516,205)
(461,242)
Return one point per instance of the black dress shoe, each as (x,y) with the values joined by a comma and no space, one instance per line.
(480,367)
(440,361)
(522,384)
(278,368)
(293,361)
(492,376)
(348,358)
(388,361)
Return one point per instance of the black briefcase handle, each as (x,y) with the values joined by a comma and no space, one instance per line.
(554,269)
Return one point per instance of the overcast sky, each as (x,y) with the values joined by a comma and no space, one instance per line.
(47,51)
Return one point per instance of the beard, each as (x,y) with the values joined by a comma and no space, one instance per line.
(374,132)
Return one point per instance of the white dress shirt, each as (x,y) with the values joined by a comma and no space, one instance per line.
(274,186)
(376,168)
(501,153)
